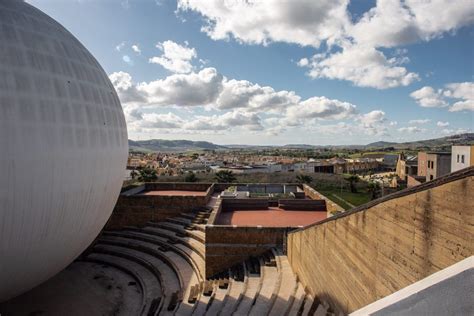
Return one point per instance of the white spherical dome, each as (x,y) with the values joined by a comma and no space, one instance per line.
(63,147)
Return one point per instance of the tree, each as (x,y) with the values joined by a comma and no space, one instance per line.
(195,156)
(190,177)
(133,174)
(147,175)
(303,178)
(225,176)
(373,189)
(352,179)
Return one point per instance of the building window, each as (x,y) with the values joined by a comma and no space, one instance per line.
(462,159)
(458,158)
(431,177)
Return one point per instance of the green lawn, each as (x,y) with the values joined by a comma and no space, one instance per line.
(355,199)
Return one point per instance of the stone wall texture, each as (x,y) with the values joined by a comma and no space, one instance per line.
(358,257)
(228,245)
(137,210)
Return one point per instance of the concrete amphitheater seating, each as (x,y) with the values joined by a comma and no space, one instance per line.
(167,260)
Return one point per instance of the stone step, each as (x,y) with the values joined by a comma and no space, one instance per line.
(179,230)
(269,282)
(299,300)
(189,275)
(237,288)
(170,279)
(287,288)
(192,257)
(150,289)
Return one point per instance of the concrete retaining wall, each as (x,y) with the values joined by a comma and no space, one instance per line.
(360,256)
(229,245)
(137,210)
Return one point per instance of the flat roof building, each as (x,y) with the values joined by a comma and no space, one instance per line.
(462,157)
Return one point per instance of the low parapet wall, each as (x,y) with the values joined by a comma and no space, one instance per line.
(180,186)
(315,195)
(357,257)
(244,204)
(302,205)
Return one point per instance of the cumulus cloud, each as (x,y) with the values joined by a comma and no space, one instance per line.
(192,89)
(261,22)
(411,129)
(362,65)
(244,94)
(463,92)
(442,124)
(229,120)
(394,23)
(423,121)
(136,49)
(320,108)
(429,97)
(175,57)
(358,58)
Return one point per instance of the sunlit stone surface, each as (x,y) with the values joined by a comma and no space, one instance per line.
(63,147)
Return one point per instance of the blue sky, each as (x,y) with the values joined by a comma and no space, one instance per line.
(276,72)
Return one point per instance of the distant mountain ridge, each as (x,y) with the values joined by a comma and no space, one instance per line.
(460,139)
(163,145)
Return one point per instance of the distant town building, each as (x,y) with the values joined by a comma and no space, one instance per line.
(422,164)
(406,166)
(462,157)
(438,164)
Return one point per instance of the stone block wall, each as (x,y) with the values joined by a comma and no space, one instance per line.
(137,210)
(360,256)
(229,245)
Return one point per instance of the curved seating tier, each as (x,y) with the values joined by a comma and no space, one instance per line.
(167,260)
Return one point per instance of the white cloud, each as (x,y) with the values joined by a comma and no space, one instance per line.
(462,91)
(411,129)
(126,89)
(229,120)
(136,49)
(428,97)
(394,23)
(363,66)
(423,121)
(120,46)
(373,117)
(319,108)
(244,94)
(442,124)
(127,60)
(175,58)
(389,24)
(154,120)
(373,123)
(261,22)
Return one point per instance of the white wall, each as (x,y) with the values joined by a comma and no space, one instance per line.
(459,151)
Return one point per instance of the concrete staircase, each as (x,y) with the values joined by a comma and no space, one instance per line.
(167,260)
